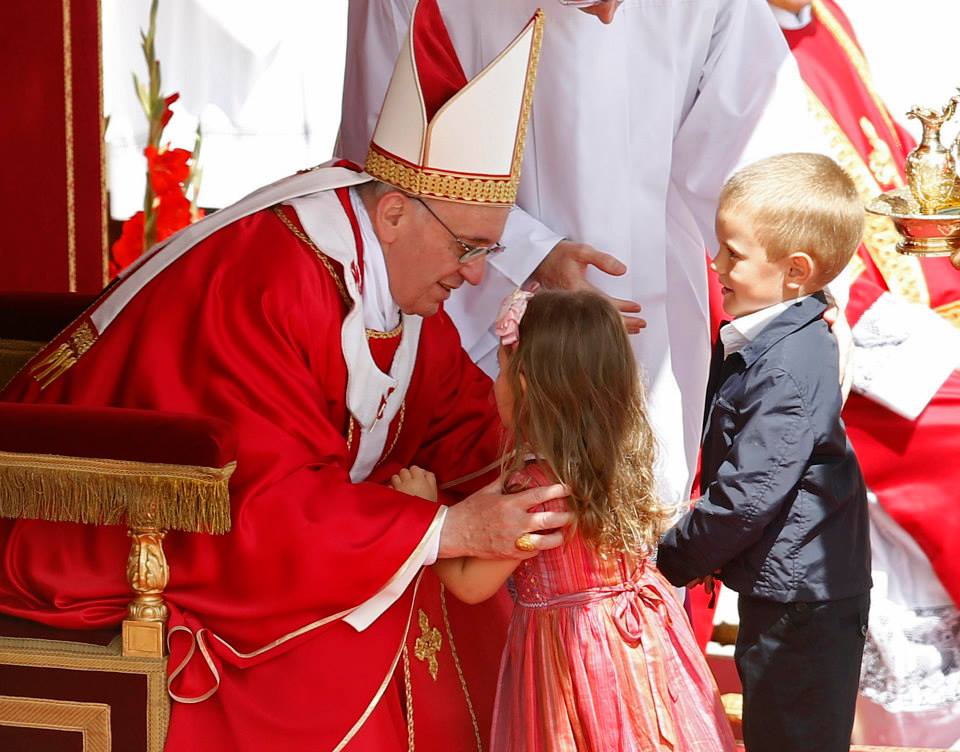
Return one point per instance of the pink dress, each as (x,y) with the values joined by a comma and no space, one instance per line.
(600,656)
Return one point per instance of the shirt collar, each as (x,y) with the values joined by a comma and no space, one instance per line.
(792,21)
(743,330)
(380,312)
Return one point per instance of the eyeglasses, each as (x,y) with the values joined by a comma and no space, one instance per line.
(470,252)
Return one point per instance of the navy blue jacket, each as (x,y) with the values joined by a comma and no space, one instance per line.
(784,511)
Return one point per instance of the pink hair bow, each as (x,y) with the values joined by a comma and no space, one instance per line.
(511,311)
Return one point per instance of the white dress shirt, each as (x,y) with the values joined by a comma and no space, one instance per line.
(744,329)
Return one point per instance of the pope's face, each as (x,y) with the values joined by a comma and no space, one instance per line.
(792,6)
(423,260)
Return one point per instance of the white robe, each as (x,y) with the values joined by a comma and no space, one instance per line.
(635,127)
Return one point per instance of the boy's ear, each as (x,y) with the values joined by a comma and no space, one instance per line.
(800,270)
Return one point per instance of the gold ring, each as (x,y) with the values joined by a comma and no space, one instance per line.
(525,543)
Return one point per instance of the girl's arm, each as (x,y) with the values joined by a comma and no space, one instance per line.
(474,580)
(470,579)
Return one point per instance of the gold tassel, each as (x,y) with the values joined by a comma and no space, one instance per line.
(115,492)
(52,367)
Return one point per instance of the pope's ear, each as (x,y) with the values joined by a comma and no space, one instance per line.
(392,209)
(801,269)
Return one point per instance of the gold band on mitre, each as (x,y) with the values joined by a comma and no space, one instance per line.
(420,181)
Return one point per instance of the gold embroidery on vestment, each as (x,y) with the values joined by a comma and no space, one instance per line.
(856,57)
(428,644)
(61,360)
(902,274)
(881,158)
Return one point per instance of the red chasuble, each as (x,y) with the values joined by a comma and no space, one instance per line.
(246,326)
(902,460)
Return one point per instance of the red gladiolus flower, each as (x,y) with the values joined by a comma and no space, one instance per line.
(128,247)
(172,212)
(168,169)
(167,112)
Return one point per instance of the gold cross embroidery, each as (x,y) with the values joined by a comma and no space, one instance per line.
(428,645)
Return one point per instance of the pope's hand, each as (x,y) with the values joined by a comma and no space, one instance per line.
(844,337)
(487,523)
(565,267)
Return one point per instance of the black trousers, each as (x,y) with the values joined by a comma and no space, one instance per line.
(799,664)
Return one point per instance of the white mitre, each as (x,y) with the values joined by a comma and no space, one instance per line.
(441,136)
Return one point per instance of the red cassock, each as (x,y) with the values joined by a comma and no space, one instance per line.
(247,327)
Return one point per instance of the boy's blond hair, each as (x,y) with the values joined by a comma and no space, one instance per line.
(799,202)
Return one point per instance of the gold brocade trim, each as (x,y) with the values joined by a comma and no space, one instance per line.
(421,181)
(392,334)
(470,476)
(16,651)
(408,693)
(526,107)
(320,254)
(903,274)
(110,492)
(880,161)
(951,312)
(856,57)
(68,132)
(61,360)
(456,663)
(90,719)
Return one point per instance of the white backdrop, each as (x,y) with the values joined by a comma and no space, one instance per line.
(265,79)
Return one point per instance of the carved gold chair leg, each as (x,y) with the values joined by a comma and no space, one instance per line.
(148,575)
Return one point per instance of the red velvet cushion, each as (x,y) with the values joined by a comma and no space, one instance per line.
(116,433)
(39,316)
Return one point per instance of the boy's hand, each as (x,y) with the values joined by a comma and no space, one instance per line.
(416,482)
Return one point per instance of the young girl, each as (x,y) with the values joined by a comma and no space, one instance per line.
(600,655)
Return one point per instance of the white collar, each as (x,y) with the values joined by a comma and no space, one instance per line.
(744,329)
(380,312)
(792,21)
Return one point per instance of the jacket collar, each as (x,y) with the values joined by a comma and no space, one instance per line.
(797,316)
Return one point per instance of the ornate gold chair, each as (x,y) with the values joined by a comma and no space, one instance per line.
(99,690)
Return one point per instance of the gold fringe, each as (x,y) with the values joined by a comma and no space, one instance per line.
(113,492)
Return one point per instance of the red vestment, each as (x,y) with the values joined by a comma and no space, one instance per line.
(246,326)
